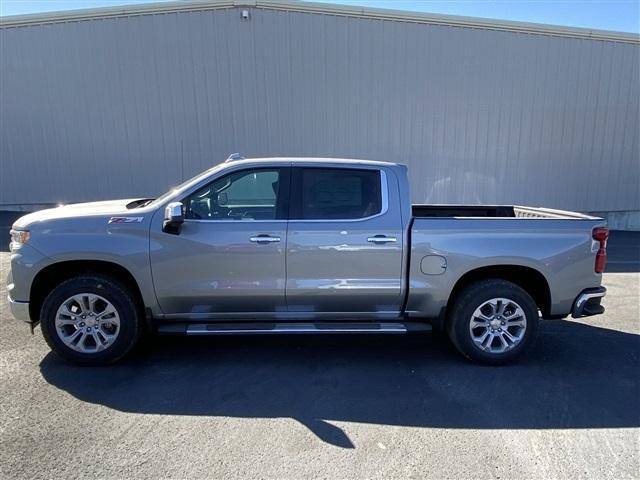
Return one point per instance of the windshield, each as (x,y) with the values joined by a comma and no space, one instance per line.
(184,185)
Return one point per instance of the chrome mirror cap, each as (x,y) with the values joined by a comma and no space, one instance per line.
(173,217)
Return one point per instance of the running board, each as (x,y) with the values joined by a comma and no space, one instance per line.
(265,328)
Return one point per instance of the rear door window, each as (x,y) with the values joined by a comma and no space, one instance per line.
(337,194)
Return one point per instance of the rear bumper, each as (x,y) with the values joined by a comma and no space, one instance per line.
(588,303)
(19,310)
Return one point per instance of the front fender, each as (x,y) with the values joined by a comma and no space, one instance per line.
(95,239)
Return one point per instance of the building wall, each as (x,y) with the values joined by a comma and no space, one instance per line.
(122,107)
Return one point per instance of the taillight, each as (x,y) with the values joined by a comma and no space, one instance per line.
(600,235)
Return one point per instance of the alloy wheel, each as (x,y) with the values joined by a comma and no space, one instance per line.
(87,323)
(498,325)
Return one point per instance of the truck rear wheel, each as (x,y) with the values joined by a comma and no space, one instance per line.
(91,320)
(493,321)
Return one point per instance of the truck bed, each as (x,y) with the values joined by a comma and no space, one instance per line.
(493,211)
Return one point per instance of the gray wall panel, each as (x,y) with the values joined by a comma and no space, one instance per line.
(120,107)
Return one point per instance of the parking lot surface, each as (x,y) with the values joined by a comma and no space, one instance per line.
(333,407)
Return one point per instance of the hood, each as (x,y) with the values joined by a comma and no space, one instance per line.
(76,210)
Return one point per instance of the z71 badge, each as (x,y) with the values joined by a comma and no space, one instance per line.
(125,219)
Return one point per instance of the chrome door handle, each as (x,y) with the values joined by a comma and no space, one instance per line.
(264,239)
(382,239)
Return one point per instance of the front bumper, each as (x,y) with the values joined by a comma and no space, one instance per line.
(588,303)
(20,310)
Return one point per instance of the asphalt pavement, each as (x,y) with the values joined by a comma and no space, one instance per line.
(333,406)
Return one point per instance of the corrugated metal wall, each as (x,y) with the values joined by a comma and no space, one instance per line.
(129,106)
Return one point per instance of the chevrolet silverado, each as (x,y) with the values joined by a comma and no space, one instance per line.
(293,245)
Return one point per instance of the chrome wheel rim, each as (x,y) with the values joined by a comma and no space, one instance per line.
(87,323)
(498,325)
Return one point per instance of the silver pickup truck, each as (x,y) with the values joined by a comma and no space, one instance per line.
(292,245)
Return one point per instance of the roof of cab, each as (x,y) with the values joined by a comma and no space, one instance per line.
(312,160)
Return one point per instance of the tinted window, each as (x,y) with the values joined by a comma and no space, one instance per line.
(246,195)
(338,193)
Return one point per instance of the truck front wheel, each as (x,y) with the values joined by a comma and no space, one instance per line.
(90,319)
(493,321)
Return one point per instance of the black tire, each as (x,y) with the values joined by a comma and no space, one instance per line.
(474,296)
(111,290)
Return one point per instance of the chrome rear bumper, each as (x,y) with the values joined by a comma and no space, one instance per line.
(588,303)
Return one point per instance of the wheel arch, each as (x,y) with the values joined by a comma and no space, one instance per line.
(52,275)
(529,279)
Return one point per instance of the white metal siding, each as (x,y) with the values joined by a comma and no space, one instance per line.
(121,107)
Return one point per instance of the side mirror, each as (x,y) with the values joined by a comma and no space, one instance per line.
(173,218)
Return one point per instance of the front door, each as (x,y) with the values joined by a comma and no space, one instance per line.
(228,261)
(344,248)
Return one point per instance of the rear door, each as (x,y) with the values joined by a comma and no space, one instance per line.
(344,247)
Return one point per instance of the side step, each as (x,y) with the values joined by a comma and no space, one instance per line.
(264,328)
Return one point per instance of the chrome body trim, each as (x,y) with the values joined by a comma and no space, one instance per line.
(281,316)
(382,239)
(264,239)
(126,220)
(246,220)
(384,194)
(295,328)
(173,211)
(584,297)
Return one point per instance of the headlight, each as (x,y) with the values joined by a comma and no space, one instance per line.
(18,239)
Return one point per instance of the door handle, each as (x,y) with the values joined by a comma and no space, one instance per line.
(382,239)
(264,239)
